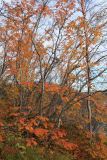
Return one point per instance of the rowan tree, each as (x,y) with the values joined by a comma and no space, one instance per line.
(52,51)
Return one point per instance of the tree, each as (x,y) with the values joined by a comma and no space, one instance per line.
(62,38)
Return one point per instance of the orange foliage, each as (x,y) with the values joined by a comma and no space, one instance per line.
(31,142)
(41,39)
(52,87)
(58,133)
(39,132)
(1,124)
(1,138)
(67,145)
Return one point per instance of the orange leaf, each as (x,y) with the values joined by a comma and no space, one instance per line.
(31,142)
(1,138)
(1,124)
(40,132)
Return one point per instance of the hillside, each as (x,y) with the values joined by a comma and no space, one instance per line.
(27,134)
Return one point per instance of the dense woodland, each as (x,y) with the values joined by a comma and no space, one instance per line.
(53,92)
